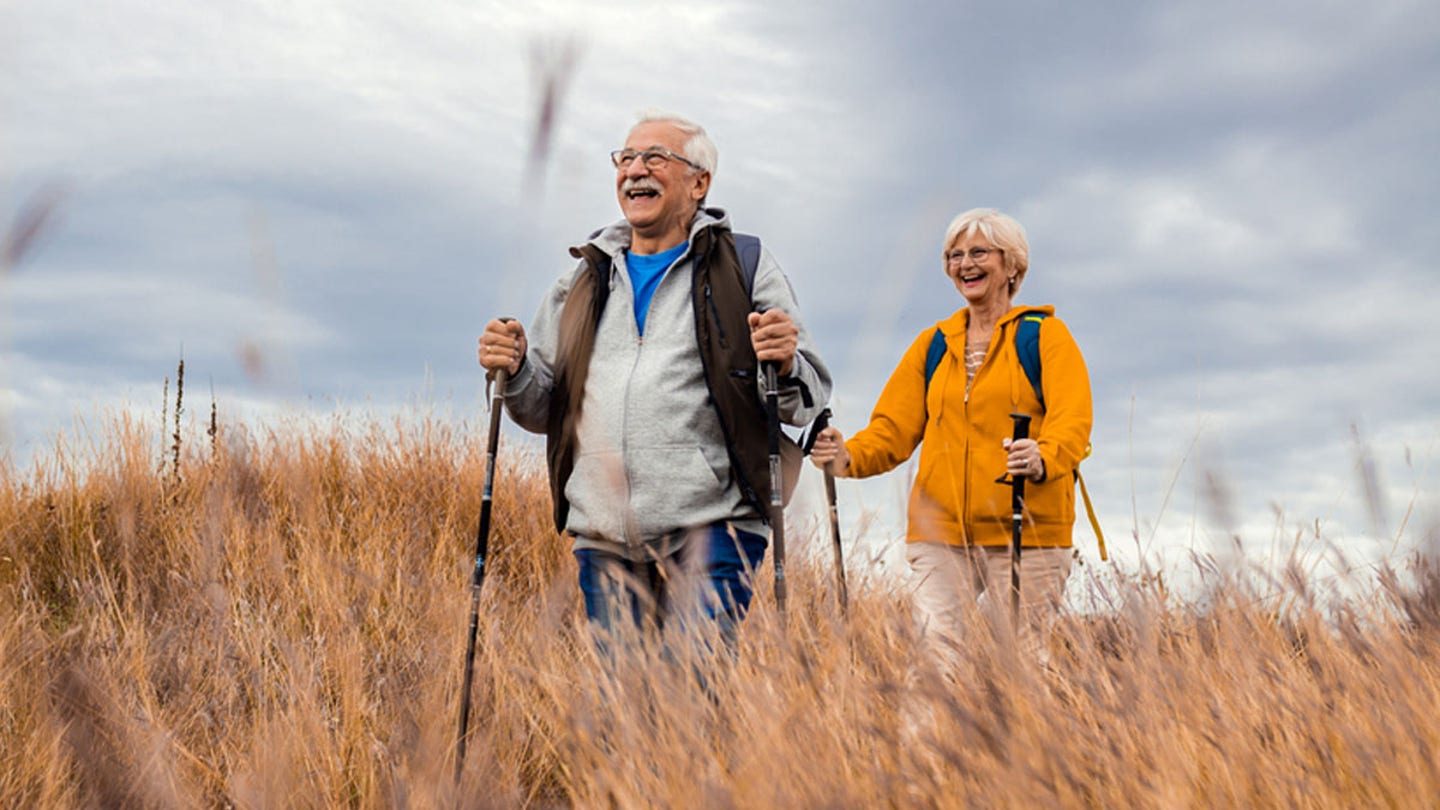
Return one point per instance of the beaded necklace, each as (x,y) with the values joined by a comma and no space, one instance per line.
(974,358)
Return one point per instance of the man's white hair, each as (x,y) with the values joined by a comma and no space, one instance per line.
(698,149)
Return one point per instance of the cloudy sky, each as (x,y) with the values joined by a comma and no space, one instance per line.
(1232,204)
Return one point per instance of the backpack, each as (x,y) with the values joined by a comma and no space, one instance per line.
(1027,347)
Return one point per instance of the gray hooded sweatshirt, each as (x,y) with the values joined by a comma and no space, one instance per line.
(650,457)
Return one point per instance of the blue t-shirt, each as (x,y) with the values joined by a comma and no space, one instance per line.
(645,275)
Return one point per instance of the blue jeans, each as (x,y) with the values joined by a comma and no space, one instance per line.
(614,586)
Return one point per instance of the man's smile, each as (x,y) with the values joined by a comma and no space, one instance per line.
(640,187)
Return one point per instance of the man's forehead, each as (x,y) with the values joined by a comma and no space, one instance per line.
(654,133)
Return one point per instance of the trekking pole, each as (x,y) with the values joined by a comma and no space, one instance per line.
(1017,516)
(777,483)
(482,546)
(821,422)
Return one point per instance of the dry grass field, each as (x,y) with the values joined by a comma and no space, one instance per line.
(279,622)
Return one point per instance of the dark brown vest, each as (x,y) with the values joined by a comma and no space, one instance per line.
(721,300)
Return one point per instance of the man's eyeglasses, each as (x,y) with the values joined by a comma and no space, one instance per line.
(977,255)
(654,158)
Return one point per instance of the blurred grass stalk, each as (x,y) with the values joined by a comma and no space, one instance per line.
(19,240)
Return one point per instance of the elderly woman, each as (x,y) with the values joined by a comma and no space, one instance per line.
(959,518)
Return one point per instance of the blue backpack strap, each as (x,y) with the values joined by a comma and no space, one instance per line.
(934,355)
(1027,346)
(747,247)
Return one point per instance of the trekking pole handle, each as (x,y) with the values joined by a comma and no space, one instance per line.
(494,379)
(1022,426)
(1021,431)
(821,422)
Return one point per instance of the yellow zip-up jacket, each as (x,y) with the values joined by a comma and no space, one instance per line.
(956,499)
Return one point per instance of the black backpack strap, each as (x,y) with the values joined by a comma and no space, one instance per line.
(602,283)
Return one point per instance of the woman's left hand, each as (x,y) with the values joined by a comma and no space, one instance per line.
(830,450)
(1024,460)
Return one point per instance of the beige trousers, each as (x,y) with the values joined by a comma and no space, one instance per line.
(951,581)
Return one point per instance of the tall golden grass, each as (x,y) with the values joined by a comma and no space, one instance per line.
(279,622)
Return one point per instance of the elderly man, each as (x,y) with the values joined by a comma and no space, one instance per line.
(642,368)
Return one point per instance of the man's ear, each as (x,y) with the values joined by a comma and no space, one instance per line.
(700,185)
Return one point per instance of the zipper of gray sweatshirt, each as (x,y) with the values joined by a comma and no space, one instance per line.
(631,532)
(633,540)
